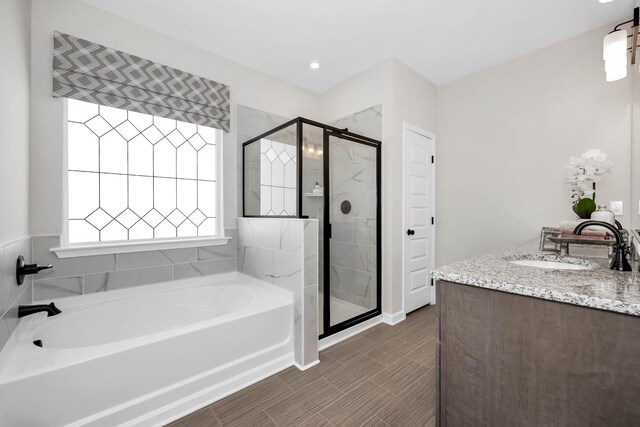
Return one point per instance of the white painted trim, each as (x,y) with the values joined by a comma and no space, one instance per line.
(73,251)
(348,333)
(393,319)
(64,237)
(409,127)
(307,366)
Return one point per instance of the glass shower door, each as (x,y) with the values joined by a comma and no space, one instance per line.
(351,220)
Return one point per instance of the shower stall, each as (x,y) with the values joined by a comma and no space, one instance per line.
(306,169)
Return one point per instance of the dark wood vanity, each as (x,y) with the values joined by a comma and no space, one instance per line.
(514,360)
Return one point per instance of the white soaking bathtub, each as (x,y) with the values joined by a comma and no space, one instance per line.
(144,355)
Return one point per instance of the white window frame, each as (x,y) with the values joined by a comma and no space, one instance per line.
(71,250)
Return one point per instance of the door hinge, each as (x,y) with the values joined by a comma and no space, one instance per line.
(432,282)
(433,159)
(329,231)
(432,220)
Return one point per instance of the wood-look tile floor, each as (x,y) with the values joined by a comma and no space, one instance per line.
(384,376)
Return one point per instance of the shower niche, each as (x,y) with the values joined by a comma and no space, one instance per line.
(306,169)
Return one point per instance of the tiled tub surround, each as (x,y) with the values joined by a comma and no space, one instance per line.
(90,274)
(284,252)
(599,288)
(12,295)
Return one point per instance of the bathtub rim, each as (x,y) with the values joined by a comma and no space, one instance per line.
(141,290)
(12,355)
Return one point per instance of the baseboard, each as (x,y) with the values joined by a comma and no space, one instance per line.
(307,366)
(393,319)
(348,333)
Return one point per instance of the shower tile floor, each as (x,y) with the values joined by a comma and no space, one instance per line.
(384,376)
(340,311)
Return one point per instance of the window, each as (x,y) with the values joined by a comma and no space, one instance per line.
(137,177)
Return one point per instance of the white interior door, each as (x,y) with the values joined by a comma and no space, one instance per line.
(418,147)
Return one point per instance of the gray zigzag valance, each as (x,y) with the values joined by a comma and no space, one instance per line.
(91,72)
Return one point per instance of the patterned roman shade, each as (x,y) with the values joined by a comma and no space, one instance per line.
(91,72)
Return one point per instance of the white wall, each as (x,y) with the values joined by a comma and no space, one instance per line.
(404,96)
(248,87)
(414,101)
(15,17)
(505,134)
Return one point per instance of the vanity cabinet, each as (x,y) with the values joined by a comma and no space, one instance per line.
(512,360)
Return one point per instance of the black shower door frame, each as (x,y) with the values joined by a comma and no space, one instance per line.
(329,131)
(327,328)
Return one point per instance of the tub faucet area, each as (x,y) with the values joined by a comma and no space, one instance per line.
(24,269)
(50,309)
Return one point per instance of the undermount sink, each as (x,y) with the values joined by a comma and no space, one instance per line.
(555,263)
(550,264)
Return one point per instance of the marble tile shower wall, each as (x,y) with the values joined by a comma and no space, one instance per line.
(251,123)
(366,122)
(99,273)
(313,204)
(284,252)
(353,178)
(12,295)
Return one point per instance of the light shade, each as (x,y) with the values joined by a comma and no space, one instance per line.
(615,45)
(616,68)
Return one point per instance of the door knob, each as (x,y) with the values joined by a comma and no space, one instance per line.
(410,232)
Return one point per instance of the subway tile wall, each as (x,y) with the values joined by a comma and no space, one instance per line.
(12,295)
(99,273)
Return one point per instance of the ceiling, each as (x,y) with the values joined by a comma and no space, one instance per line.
(441,39)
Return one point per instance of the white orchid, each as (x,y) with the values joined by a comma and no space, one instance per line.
(585,171)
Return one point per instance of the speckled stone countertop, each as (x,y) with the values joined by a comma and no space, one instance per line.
(599,287)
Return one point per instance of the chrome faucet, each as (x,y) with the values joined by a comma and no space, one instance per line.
(619,261)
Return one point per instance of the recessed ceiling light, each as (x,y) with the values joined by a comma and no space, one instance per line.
(606,1)
(314,65)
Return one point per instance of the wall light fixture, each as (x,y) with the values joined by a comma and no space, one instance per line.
(615,48)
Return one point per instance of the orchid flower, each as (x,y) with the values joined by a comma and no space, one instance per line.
(584,171)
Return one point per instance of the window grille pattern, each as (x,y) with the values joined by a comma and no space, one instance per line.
(278,178)
(134,176)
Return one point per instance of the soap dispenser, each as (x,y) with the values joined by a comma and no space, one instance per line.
(604,214)
(317,189)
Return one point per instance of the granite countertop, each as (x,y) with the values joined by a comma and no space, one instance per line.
(599,287)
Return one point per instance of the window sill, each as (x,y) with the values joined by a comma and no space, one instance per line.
(80,250)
